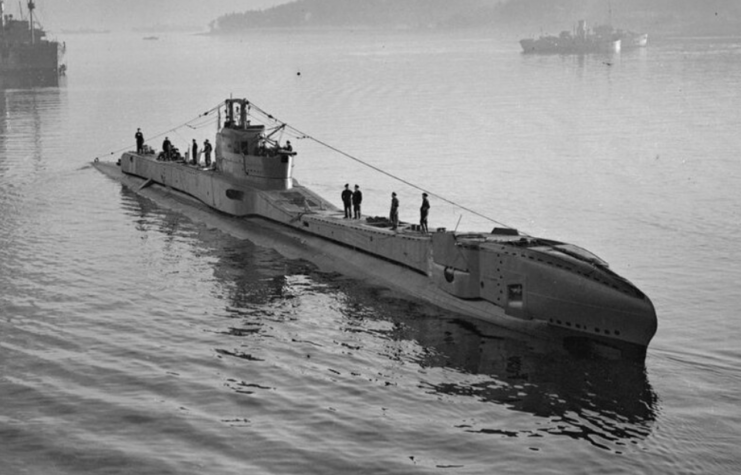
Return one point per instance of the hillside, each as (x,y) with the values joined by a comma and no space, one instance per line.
(669,17)
(361,13)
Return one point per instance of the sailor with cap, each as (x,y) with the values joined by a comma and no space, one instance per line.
(207,152)
(347,200)
(423,212)
(139,141)
(394,216)
(357,198)
(166,147)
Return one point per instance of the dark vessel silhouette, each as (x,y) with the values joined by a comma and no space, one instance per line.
(24,49)
(580,41)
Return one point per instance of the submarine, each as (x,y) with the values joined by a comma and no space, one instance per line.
(536,286)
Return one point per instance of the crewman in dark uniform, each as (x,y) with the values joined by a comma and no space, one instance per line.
(347,200)
(139,141)
(166,146)
(394,212)
(423,212)
(357,199)
(195,152)
(207,152)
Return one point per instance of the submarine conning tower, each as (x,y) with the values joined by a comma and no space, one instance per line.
(248,153)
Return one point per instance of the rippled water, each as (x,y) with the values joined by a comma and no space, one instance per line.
(157,338)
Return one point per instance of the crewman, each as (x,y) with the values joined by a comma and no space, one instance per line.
(347,200)
(357,199)
(166,146)
(195,152)
(139,141)
(424,210)
(207,151)
(394,212)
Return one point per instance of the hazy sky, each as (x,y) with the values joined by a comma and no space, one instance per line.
(128,14)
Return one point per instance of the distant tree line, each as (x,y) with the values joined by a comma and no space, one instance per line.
(359,13)
(706,17)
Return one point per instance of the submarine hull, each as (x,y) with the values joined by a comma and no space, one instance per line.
(531,290)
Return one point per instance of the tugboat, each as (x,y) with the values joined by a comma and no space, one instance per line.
(24,50)
(581,41)
(529,284)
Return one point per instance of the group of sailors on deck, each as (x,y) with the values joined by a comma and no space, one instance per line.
(353,199)
(171,153)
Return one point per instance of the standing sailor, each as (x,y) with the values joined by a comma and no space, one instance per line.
(394,211)
(207,151)
(166,146)
(423,212)
(347,200)
(195,152)
(139,141)
(357,199)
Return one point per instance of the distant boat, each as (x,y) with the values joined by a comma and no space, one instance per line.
(25,50)
(151,38)
(581,41)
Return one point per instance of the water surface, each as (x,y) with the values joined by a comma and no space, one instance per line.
(139,339)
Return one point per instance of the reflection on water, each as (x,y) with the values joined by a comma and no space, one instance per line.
(590,399)
(29,128)
(30,80)
(580,398)
(29,119)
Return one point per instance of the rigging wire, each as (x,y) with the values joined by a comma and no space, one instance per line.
(301,135)
(174,129)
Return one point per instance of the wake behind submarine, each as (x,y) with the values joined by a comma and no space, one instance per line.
(532,285)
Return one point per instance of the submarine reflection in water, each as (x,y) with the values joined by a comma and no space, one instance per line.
(606,403)
(599,401)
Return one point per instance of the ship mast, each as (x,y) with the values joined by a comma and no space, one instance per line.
(31,7)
